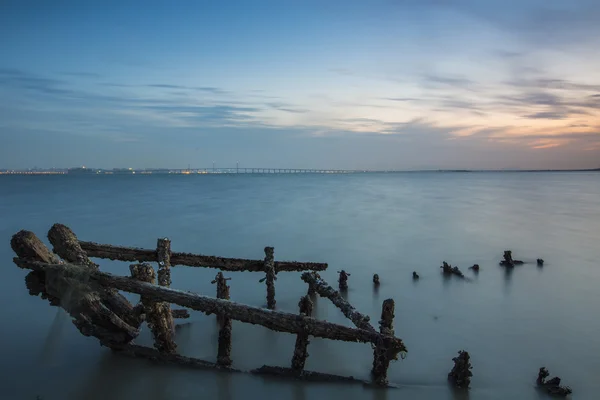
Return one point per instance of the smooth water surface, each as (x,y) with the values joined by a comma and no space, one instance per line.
(390,224)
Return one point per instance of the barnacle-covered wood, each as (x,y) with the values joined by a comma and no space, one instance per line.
(343,280)
(302,341)
(274,320)
(86,305)
(461,374)
(66,245)
(325,290)
(552,386)
(27,245)
(381,354)
(122,253)
(163,256)
(269,265)
(224,350)
(158,314)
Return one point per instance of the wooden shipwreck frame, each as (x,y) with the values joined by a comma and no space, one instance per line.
(68,278)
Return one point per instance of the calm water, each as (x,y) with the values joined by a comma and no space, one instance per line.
(390,224)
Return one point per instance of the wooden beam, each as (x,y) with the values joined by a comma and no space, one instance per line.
(269,265)
(274,320)
(325,290)
(122,253)
(163,256)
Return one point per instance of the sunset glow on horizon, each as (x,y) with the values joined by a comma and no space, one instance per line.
(383,84)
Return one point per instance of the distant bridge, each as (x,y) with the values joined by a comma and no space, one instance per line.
(246,170)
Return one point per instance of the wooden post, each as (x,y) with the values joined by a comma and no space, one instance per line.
(158,314)
(381,354)
(300,350)
(271,278)
(163,256)
(343,281)
(314,277)
(224,351)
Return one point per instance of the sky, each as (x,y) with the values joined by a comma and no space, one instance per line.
(402,84)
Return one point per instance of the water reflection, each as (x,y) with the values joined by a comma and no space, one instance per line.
(508,278)
(380,394)
(298,391)
(224,386)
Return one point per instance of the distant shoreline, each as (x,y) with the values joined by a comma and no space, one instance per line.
(274,172)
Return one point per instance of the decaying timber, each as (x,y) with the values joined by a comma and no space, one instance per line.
(301,348)
(376,279)
(224,351)
(92,298)
(122,253)
(552,386)
(475,267)
(461,374)
(448,269)
(508,260)
(343,281)
(382,354)
(158,314)
(270,277)
(101,313)
(415,276)
(324,290)
(274,320)
(163,256)
(540,262)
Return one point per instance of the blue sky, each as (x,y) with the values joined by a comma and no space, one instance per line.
(300,84)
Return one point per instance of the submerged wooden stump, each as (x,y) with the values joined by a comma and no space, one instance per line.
(301,348)
(158,314)
(224,350)
(551,386)
(461,374)
(376,279)
(95,312)
(448,269)
(343,280)
(382,355)
(508,260)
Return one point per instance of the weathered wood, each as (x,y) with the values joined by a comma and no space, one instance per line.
(163,256)
(343,280)
(269,266)
(122,253)
(301,347)
(26,244)
(224,350)
(381,355)
(91,316)
(158,314)
(325,290)
(274,320)
(461,374)
(167,358)
(66,245)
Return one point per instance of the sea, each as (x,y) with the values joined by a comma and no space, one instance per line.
(512,322)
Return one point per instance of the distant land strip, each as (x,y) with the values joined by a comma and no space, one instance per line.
(245,170)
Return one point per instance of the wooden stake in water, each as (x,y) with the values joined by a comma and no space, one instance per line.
(163,256)
(224,350)
(270,277)
(381,356)
(301,348)
(158,314)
